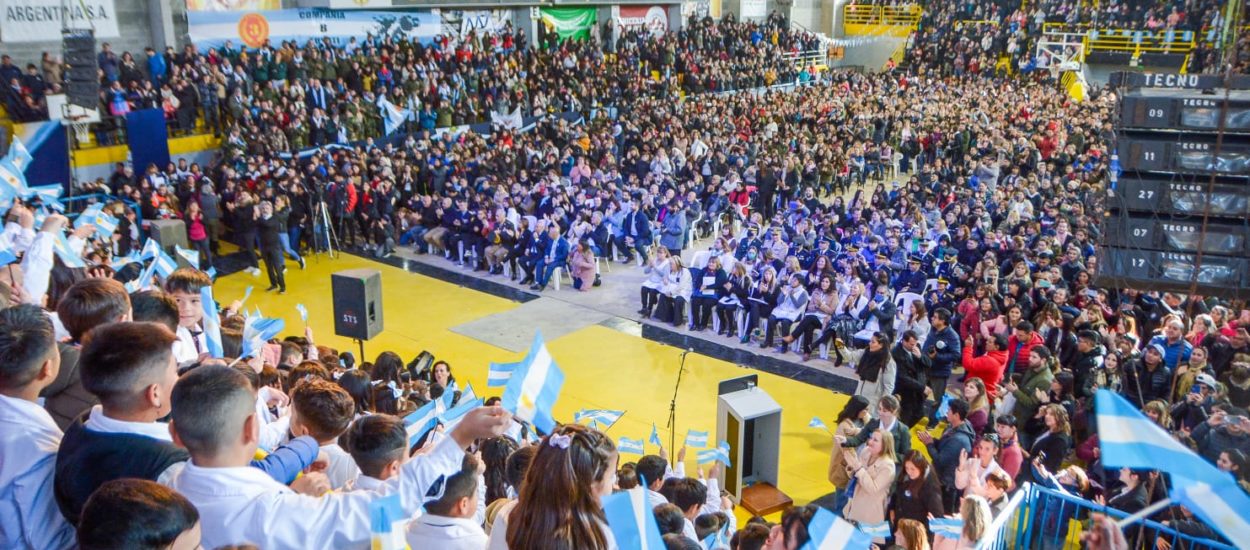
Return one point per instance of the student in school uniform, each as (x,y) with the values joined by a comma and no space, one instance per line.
(130,368)
(451,520)
(323,410)
(124,511)
(86,305)
(214,417)
(29,438)
(378,444)
(184,285)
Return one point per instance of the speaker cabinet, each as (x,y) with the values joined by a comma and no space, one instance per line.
(168,233)
(357,303)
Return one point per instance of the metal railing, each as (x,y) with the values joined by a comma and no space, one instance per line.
(1038,517)
(907,16)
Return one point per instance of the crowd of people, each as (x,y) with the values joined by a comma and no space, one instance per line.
(935,227)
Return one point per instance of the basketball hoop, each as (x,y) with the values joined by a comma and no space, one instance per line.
(79,123)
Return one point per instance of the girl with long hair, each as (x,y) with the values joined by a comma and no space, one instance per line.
(911,535)
(558,508)
(873,473)
(978,404)
(495,452)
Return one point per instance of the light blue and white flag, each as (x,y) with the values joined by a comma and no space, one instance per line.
(13,179)
(256,331)
(830,532)
(708,455)
(534,388)
(630,446)
(145,279)
(951,528)
(303,313)
(88,214)
(655,437)
(392,116)
(6,254)
(165,265)
(632,522)
(816,422)
(421,421)
(66,252)
(696,439)
(122,261)
(718,539)
(876,530)
(387,523)
(467,395)
(18,156)
(601,419)
(49,194)
(499,374)
(150,249)
(1128,439)
(944,407)
(192,257)
(723,450)
(211,322)
(247,293)
(212,273)
(455,414)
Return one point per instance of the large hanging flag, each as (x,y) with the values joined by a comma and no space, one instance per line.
(534,387)
(632,521)
(211,322)
(1127,439)
(830,532)
(387,523)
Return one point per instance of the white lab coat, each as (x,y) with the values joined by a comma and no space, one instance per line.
(29,517)
(444,533)
(244,505)
(184,346)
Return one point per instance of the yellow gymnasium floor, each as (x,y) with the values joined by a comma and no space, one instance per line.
(604,368)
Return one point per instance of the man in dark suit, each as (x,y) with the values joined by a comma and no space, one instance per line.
(635,232)
(268,227)
(555,255)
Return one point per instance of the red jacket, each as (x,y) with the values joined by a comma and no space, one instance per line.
(1022,361)
(989,368)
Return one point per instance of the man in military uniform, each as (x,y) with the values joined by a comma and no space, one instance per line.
(914,279)
(299,134)
(940,297)
(946,268)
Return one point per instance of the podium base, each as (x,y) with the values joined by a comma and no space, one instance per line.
(762,499)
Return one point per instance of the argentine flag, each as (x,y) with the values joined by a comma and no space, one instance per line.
(630,446)
(211,322)
(66,252)
(387,523)
(6,254)
(601,419)
(1127,439)
(632,521)
(256,331)
(830,532)
(817,423)
(455,414)
(951,528)
(696,439)
(534,387)
(655,436)
(165,265)
(499,374)
(18,156)
(421,421)
(192,257)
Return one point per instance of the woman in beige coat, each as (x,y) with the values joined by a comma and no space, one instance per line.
(873,472)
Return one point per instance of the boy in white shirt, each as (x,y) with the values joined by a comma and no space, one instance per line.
(184,285)
(29,438)
(324,410)
(450,522)
(214,417)
(379,445)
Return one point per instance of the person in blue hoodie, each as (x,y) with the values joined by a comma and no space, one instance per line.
(156,67)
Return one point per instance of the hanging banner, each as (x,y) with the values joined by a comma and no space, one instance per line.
(233,5)
(459,23)
(40,20)
(212,29)
(755,9)
(651,18)
(574,23)
(360,4)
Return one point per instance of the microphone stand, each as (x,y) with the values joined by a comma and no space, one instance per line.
(672,406)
